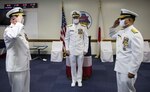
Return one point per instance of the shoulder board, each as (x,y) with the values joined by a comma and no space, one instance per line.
(69,25)
(134,30)
(83,25)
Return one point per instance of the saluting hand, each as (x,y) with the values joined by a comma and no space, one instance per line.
(116,23)
(20,18)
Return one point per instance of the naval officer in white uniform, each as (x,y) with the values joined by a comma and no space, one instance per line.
(18,53)
(76,41)
(129,50)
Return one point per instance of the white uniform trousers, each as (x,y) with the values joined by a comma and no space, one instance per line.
(19,81)
(124,83)
(76,62)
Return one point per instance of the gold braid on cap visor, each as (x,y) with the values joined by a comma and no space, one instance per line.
(18,14)
(124,16)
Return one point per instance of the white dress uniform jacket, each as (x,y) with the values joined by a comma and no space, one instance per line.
(129,49)
(18,53)
(76,39)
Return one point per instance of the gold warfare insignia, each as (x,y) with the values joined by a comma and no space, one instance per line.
(125,43)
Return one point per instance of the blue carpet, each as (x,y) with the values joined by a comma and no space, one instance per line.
(51,77)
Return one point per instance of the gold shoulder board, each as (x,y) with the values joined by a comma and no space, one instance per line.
(69,25)
(134,30)
(83,25)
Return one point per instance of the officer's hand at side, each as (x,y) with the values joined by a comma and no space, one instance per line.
(130,75)
(84,53)
(116,23)
(67,52)
(20,18)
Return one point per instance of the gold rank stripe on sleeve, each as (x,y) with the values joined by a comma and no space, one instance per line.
(134,30)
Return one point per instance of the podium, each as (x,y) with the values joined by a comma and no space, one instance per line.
(38,48)
(87,64)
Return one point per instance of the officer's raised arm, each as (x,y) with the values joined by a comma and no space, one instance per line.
(112,30)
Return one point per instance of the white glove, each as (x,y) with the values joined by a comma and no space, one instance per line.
(20,19)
